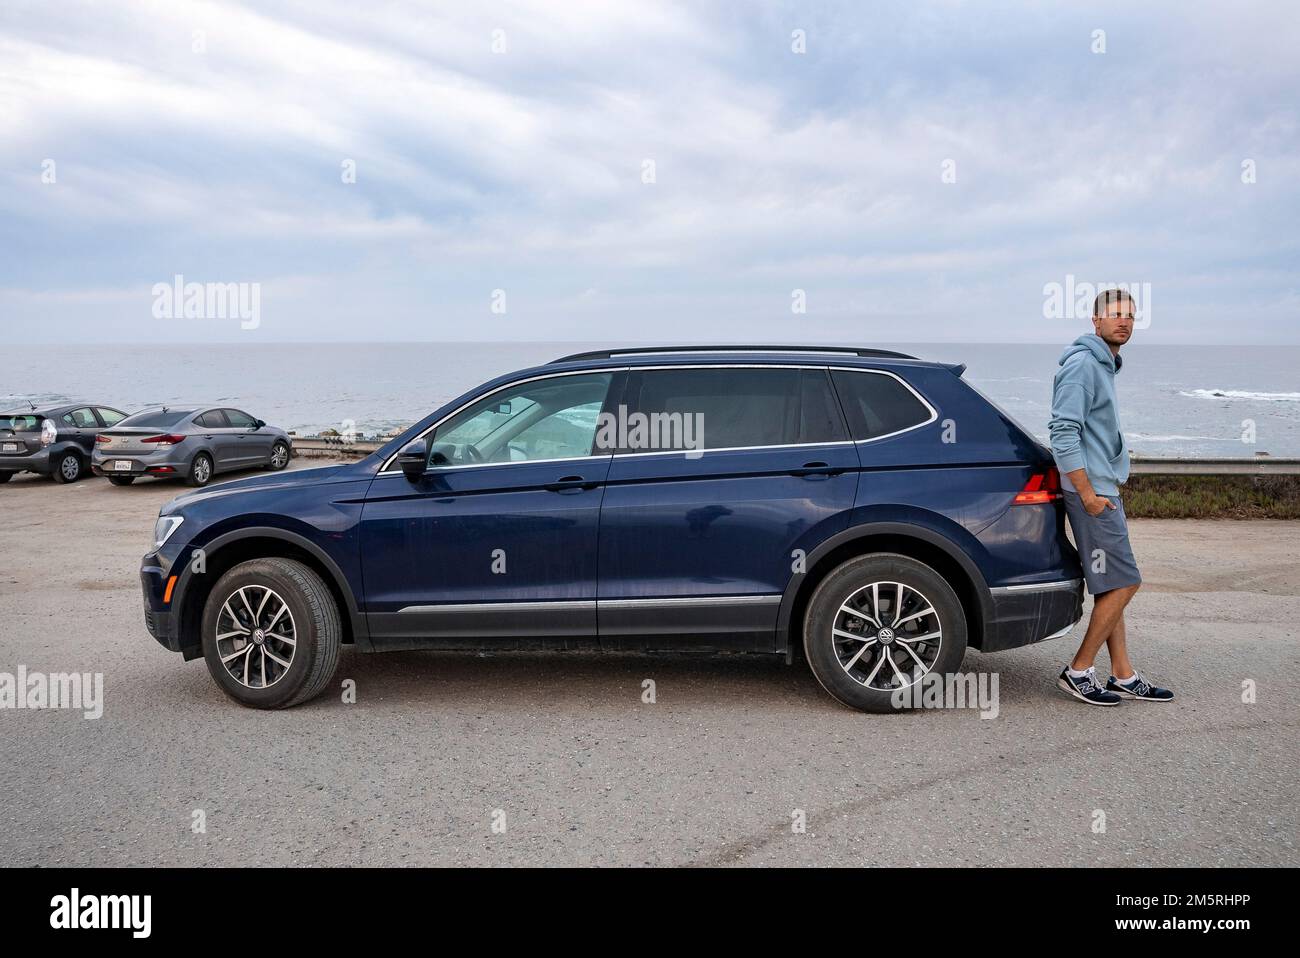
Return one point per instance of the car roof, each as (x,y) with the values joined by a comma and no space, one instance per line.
(53,410)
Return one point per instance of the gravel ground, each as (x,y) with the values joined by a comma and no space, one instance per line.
(582,771)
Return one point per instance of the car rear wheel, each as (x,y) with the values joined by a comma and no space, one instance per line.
(121,480)
(67,468)
(5,477)
(279,456)
(200,470)
(878,624)
(271,633)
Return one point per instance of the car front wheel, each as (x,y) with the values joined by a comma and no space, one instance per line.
(5,476)
(279,457)
(876,625)
(271,633)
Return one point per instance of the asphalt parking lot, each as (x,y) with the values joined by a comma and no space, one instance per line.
(563,750)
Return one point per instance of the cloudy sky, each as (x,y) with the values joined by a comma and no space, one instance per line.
(645,171)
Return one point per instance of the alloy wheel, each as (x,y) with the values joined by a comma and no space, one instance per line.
(887,635)
(256,636)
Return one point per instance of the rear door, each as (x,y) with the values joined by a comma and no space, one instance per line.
(81,426)
(696,543)
(220,437)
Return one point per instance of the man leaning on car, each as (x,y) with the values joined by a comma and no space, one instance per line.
(1092,457)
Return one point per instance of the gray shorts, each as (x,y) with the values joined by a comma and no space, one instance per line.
(1103,545)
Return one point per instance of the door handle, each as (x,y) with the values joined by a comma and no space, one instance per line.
(575,483)
(817,468)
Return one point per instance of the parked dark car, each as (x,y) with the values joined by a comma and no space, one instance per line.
(865,507)
(193,443)
(55,441)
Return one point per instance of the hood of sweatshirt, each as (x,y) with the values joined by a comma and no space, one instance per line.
(1094,345)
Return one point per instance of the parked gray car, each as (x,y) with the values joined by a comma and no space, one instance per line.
(193,443)
(54,441)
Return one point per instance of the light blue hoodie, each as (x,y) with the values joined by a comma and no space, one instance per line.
(1085,416)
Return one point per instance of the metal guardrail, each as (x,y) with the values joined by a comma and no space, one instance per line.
(1224,466)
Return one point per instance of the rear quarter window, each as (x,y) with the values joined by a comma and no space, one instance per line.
(876,404)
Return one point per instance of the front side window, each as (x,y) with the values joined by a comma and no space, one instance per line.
(553,418)
(240,420)
(877,404)
(729,407)
(110,417)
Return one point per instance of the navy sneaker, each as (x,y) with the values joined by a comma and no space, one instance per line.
(1085,688)
(1139,688)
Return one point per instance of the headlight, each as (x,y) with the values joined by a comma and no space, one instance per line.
(163,529)
(49,432)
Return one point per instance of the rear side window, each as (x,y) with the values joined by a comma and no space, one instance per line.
(110,417)
(212,419)
(81,418)
(877,404)
(720,408)
(157,418)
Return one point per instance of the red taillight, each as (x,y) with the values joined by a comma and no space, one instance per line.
(167,440)
(1041,487)
(103,439)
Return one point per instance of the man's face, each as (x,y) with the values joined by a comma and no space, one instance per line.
(1115,324)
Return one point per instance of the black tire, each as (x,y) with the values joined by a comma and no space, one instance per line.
(315,621)
(829,655)
(68,468)
(121,480)
(199,475)
(282,449)
(5,477)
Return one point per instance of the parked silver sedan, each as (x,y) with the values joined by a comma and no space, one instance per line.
(193,443)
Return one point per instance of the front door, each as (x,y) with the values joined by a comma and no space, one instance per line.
(497,540)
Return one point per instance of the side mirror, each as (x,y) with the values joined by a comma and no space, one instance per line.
(261,423)
(413,459)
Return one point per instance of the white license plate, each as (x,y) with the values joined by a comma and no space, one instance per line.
(121,465)
(9,447)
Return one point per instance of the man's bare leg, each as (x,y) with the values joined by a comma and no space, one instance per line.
(1117,646)
(1107,613)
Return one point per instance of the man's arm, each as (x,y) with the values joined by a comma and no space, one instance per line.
(1070,403)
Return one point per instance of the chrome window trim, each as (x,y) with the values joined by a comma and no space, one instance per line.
(934,414)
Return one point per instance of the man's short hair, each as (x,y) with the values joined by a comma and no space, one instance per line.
(1106,297)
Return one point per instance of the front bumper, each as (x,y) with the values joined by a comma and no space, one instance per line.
(158,617)
(1025,614)
(37,462)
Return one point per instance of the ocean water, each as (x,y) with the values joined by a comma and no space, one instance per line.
(1175,400)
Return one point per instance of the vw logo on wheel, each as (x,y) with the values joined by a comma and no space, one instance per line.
(885,636)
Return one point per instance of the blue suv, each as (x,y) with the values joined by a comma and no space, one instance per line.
(867,507)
